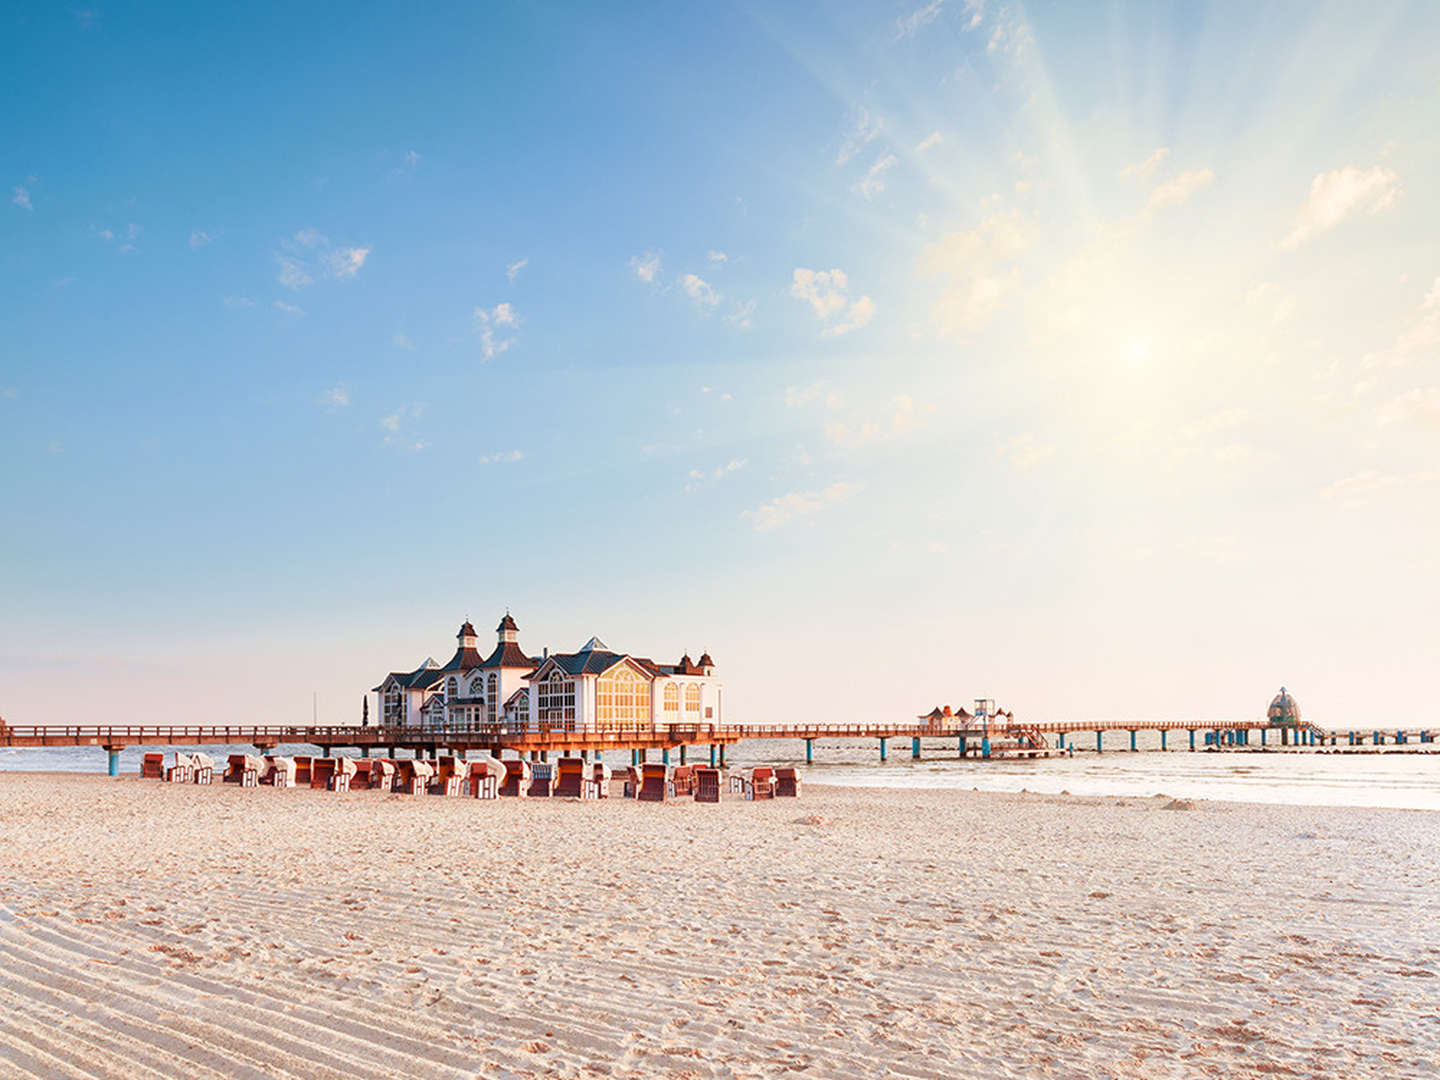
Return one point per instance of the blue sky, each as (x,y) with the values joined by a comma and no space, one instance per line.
(1089,360)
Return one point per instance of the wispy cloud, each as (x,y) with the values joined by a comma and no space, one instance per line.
(239,302)
(904,416)
(337,397)
(1026,451)
(1147,167)
(487,322)
(1420,337)
(1372,481)
(873,182)
(823,290)
(740,315)
(199,239)
(1418,406)
(289,309)
(1338,194)
(1178,189)
(907,25)
(308,256)
(700,476)
(856,316)
(515,268)
(21,198)
(646,267)
(699,290)
(978,270)
(797,396)
(717,256)
(859,136)
(402,341)
(930,141)
(397,429)
(502,457)
(783,509)
(9,393)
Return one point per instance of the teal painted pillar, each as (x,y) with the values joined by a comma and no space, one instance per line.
(1263,732)
(114,762)
(1062,741)
(1099,744)
(665,754)
(915,748)
(985,746)
(722,753)
(1352,738)
(882,748)
(1163,733)
(1133,747)
(1379,739)
(712,755)
(1192,738)
(963,745)
(809,751)
(682,755)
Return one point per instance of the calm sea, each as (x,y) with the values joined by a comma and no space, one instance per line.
(1321,779)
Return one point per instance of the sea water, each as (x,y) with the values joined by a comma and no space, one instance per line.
(1315,777)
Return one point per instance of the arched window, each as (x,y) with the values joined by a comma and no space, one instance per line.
(556,699)
(672,697)
(476,689)
(692,698)
(622,698)
(452,687)
(491,698)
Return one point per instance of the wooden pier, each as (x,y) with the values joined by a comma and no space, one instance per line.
(994,737)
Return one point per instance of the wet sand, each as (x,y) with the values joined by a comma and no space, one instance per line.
(150,930)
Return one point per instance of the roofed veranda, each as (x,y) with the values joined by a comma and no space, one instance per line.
(591,689)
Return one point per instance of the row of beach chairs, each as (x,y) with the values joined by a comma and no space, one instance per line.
(486,778)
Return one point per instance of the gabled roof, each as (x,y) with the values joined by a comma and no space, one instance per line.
(463,660)
(523,692)
(592,662)
(422,678)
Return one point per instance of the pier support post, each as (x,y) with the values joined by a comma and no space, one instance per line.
(1379,739)
(1133,747)
(985,746)
(915,748)
(682,753)
(1099,741)
(722,753)
(712,755)
(1163,733)
(114,752)
(1192,739)
(1061,742)
(665,754)
(809,751)
(882,747)
(963,745)
(1263,732)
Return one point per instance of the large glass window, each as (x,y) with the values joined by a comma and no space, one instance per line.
(477,688)
(452,687)
(556,699)
(692,698)
(672,697)
(622,699)
(392,708)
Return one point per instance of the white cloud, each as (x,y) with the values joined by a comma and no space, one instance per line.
(1178,188)
(646,267)
(293,275)
(904,417)
(309,256)
(402,341)
(1422,336)
(740,314)
(1147,167)
(1369,481)
(907,25)
(485,324)
(1011,36)
(1336,195)
(337,397)
(930,141)
(239,302)
(784,509)
(412,158)
(199,239)
(699,290)
(21,198)
(502,457)
(1025,451)
(346,262)
(973,266)
(105,234)
(717,256)
(396,427)
(289,309)
(859,314)
(860,135)
(824,290)
(1419,406)
(515,268)
(797,396)
(699,476)
(873,182)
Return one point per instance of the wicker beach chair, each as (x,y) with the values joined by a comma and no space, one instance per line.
(242,769)
(382,774)
(202,768)
(414,775)
(707,784)
(631,775)
(569,778)
(656,784)
(486,776)
(321,770)
(152,767)
(360,778)
(343,775)
(517,778)
(542,779)
(181,771)
(303,766)
(682,779)
(597,784)
(280,771)
(787,783)
(761,783)
(450,774)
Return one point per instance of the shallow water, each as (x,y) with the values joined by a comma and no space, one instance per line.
(1395,780)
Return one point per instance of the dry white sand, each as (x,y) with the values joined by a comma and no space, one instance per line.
(149,930)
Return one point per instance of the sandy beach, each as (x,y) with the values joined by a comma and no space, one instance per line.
(151,930)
